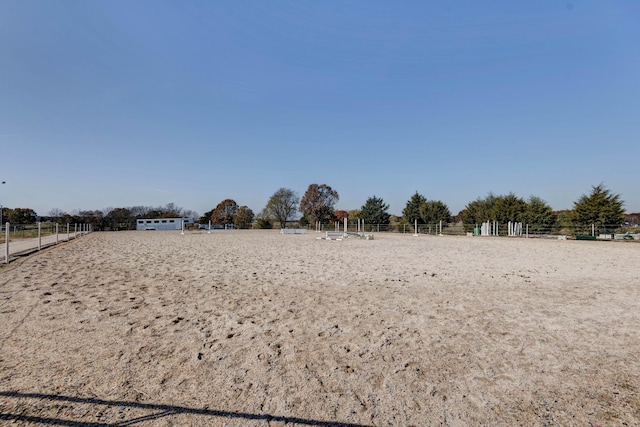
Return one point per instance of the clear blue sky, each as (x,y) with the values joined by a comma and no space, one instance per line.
(114,104)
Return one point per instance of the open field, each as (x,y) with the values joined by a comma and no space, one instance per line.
(254,328)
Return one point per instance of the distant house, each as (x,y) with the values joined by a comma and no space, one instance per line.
(162,223)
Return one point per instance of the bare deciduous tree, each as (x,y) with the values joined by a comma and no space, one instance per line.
(282,206)
(318,202)
(224,212)
(244,217)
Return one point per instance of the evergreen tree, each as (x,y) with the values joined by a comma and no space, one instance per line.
(601,207)
(375,211)
(478,211)
(206,217)
(21,216)
(508,208)
(539,216)
(411,211)
(434,211)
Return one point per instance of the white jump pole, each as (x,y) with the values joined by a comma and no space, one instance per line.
(39,235)
(345,226)
(182,232)
(56,233)
(440,234)
(415,227)
(527,231)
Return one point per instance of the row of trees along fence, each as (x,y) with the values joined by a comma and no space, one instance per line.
(460,229)
(21,231)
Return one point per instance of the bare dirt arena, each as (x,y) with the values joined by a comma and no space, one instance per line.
(255,328)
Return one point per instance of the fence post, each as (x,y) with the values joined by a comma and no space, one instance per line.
(39,235)
(6,242)
(68,232)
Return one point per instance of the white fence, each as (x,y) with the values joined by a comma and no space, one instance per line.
(17,247)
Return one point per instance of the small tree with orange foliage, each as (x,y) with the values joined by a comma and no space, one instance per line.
(341,215)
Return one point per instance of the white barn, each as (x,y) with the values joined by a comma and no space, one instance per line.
(160,223)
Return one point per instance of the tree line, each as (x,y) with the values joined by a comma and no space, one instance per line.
(601,207)
(106,219)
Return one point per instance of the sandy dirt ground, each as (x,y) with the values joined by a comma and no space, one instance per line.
(255,328)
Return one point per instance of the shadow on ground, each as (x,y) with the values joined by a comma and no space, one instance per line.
(160,412)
